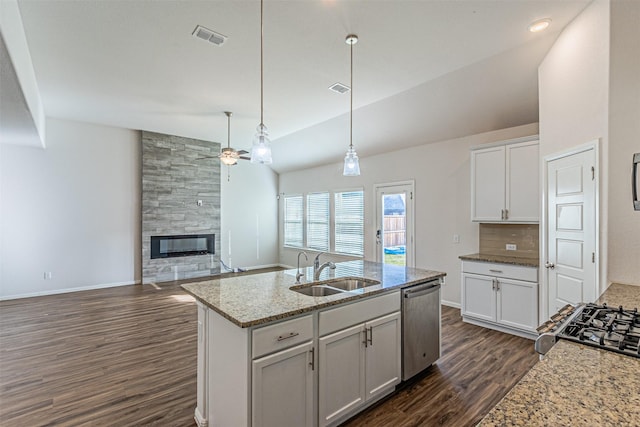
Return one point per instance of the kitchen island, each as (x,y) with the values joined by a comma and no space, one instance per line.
(268,355)
(577,385)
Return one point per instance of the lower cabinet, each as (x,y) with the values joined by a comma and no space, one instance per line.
(357,364)
(282,388)
(508,303)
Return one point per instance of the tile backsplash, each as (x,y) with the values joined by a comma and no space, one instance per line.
(495,237)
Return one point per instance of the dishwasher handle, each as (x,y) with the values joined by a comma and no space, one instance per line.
(417,291)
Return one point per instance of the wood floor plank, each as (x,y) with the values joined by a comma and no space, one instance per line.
(127,357)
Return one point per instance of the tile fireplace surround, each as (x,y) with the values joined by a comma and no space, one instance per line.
(180,196)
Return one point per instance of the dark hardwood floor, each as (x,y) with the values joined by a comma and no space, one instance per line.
(126,356)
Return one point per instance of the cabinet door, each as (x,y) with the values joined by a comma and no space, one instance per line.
(478,297)
(517,304)
(488,184)
(522,185)
(282,392)
(341,370)
(383,368)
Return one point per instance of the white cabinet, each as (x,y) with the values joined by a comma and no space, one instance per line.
(272,375)
(505,182)
(358,364)
(282,389)
(499,296)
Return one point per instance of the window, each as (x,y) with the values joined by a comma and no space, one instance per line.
(318,221)
(349,222)
(308,222)
(293,216)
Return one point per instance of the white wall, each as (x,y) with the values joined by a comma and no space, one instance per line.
(573,83)
(624,140)
(249,216)
(441,172)
(72,209)
(590,89)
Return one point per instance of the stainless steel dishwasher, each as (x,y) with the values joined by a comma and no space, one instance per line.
(420,327)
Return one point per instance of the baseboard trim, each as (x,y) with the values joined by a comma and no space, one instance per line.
(451,304)
(68,290)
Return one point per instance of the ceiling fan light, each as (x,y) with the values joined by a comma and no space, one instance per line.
(261,148)
(228,158)
(351,163)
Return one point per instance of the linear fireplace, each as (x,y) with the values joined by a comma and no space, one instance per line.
(182,245)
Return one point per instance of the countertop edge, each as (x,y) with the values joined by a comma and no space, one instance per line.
(500,259)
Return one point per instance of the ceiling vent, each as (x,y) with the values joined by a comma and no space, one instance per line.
(339,87)
(208,35)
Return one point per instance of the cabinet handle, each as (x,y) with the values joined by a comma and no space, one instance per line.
(371,335)
(506,214)
(496,271)
(502,214)
(493,284)
(497,285)
(287,336)
(366,341)
(313,358)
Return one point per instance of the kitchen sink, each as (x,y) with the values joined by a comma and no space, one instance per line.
(351,283)
(318,290)
(335,286)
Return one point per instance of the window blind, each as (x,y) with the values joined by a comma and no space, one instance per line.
(318,221)
(293,216)
(349,222)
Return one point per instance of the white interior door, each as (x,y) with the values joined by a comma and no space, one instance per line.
(571,230)
(394,224)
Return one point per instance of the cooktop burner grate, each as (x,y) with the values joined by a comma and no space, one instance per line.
(605,327)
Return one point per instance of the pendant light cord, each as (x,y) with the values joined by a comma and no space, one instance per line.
(228,130)
(261,64)
(351,104)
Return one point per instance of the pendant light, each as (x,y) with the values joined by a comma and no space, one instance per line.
(261,148)
(351,164)
(229,156)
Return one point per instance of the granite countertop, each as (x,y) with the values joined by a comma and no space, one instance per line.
(526,262)
(261,298)
(576,384)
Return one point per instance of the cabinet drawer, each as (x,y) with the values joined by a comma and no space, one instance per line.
(518,272)
(281,335)
(359,312)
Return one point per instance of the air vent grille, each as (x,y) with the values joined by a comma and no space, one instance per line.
(209,35)
(339,87)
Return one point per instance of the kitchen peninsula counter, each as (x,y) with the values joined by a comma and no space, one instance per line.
(577,385)
(257,299)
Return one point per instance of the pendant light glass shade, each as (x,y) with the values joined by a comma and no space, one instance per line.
(261,148)
(351,164)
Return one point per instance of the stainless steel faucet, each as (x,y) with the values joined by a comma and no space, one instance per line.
(317,268)
(298,274)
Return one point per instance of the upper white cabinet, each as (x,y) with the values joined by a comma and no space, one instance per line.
(505,182)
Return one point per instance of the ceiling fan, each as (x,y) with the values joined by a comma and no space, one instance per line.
(230,156)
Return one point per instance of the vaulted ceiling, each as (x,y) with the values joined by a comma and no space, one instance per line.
(424,71)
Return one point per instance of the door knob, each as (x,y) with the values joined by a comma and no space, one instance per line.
(550,265)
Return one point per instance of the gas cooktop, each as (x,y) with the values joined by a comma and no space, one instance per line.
(600,326)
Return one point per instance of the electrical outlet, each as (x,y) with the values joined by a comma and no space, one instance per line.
(199,202)
(456,238)
(47,275)
(511,247)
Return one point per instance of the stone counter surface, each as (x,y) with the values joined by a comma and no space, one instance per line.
(577,385)
(257,299)
(526,262)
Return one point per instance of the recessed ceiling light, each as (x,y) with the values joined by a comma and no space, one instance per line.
(539,25)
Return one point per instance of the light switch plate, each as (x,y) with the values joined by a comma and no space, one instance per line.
(511,247)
